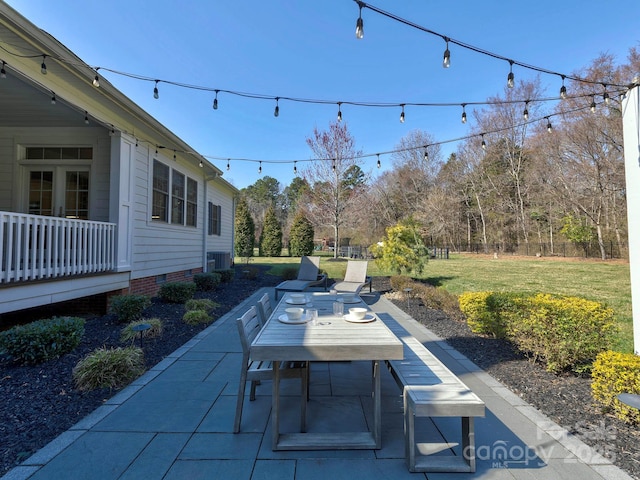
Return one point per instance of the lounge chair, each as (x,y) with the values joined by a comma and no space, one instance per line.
(308,276)
(355,278)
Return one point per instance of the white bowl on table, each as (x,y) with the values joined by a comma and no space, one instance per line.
(294,313)
(297,298)
(357,313)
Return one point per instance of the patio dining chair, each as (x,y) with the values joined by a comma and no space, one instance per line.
(255,371)
(354,279)
(265,309)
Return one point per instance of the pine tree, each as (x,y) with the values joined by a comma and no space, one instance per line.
(245,231)
(301,236)
(271,236)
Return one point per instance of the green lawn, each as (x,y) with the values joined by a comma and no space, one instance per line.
(606,282)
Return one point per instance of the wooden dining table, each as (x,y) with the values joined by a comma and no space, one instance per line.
(330,338)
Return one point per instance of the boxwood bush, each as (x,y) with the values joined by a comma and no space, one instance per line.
(42,340)
(194,317)
(177,292)
(128,307)
(226,275)
(207,280)
(615,373)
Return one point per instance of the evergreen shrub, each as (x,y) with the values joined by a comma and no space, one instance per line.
(177,292)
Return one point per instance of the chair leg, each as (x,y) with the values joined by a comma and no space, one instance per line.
(252,394)
(304,392)
(308,382)
(240,401)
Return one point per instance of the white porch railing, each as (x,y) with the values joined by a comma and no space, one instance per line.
(38,247)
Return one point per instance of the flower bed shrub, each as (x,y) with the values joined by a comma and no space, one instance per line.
(128,307)
(207,281)
(177,292)
(564,332)
(615,373)
(194,317)
(289,273)
(487,312)
(226,275)
(400,282)
(42,340)
(128,334)
(109,368)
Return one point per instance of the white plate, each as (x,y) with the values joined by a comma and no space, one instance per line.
(369,317)
(284,319)
(290,301)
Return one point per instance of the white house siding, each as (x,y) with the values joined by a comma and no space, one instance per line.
(220,194)
(13,180)
(160,248)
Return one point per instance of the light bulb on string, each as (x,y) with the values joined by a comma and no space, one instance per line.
(525,114)
(484,144)
(463,119)
(260,168)
(605,95)
(359,24)
(549,127)
(295,168)
(510,77)
(378,164)
(43,66)
(86,118)
(156,94)
(3,72)
(96,80)
(276,112)
(339,112)
(593,104)
(215,101)
(201,164)
(426,153)
(333,165)
(446,58)
(402,114)
(174,155)
(563,90)
(53,98)
(228,165)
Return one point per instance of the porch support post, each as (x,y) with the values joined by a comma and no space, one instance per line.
(121,197)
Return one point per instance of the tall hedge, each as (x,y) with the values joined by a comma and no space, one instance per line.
(245,230)
(301,236)
(271,236)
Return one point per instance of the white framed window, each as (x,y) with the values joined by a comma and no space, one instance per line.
(214,225)
(175,196)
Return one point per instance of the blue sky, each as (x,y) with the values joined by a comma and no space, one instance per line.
(309,50)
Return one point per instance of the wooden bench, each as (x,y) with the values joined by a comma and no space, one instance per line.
(430,389)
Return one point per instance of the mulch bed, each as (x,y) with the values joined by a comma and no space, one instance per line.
(40,402)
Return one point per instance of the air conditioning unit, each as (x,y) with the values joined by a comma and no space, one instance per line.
(218,260)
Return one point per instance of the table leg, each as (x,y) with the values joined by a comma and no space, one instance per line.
(275,405)
(377,405)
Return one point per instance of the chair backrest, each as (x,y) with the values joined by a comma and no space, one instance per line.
(264,308)
(309,267)
(248,327)
(356,271)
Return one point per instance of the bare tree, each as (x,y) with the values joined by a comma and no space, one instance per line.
(335,177)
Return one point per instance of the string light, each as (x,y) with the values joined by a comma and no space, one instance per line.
(174,155)
(86,117)
(339,112)
(510,77)
(53,98)
(402,114)
(96,80)
(333,164)
(563,90)
(446,58)
(156,94)
(426,153)
(228,165)
(525,114)
(295,168)
(201,165)
(276,112)
(43,66)
(378,160)
(360,23)
(605,95)
(593,104)
(215,101)
(464,114)
(260,168)
(3,72)
(549,127)
(484,144)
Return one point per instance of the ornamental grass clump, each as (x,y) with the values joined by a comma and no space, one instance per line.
(42,340)
(128,334)
(195,317)
(109,368)
(203,304)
